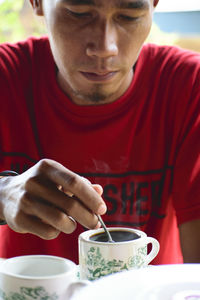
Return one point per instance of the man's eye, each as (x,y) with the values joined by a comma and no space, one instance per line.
(79,15)
(128,18)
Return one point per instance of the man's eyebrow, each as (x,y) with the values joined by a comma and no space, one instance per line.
(139,4)
(79,2)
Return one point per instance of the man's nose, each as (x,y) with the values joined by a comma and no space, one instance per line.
(103,42)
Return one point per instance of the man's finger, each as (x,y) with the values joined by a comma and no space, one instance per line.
(74,184)
(98,188)
(31,224)
(49,214)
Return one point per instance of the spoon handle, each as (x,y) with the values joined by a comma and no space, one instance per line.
(110,240)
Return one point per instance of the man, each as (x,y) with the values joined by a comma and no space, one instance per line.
(94,102)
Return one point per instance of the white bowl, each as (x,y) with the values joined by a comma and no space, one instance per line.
(165,282)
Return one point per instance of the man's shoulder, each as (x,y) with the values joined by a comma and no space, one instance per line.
(25,45)
(170,61)
(169,53)
(162,49)
(32,40)
(25,48)
(21,59)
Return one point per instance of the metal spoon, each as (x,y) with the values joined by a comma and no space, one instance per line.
(110,240)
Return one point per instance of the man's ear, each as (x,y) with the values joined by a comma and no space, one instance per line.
(37,7)
(155,2)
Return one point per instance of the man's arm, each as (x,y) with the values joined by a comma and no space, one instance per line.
(190,241)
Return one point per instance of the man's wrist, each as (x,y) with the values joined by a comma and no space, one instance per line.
(3,222)
(8,173)
(5,174)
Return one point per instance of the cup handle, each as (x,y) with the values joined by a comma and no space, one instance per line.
(154,251)
(75,288)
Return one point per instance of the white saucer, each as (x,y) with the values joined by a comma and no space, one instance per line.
(166,282)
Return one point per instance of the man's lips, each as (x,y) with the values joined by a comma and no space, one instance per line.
(97,76)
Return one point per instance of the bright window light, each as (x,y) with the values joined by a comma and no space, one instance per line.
(178,5)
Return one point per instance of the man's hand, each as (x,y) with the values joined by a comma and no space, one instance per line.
(48,199)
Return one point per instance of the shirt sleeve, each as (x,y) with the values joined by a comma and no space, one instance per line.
(186,179)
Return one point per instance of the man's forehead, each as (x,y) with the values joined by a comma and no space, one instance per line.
(135,4)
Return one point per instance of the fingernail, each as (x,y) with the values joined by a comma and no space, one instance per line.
(102,209)
(98,225)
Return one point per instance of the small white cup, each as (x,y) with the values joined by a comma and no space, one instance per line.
(36,277)
(97,259)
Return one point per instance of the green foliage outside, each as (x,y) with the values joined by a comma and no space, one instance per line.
(17,21)
(10,24)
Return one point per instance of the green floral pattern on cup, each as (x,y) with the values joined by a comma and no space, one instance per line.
(97,266)
(26,293)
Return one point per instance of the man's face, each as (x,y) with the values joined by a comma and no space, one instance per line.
(95,44)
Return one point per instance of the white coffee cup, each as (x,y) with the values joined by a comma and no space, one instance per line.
(100,258)
(36,277)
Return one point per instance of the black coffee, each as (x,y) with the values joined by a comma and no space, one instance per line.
(117,236)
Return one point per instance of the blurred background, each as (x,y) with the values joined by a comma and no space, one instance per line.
(176,22)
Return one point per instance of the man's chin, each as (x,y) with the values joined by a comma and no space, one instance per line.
(93,98)
(97,98)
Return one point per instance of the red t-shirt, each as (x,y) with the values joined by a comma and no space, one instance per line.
(143,148)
